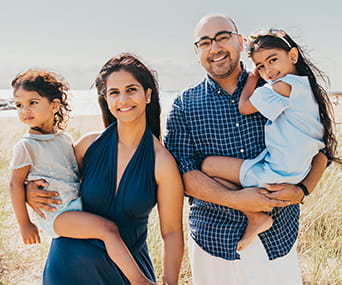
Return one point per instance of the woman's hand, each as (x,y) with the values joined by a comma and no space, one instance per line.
(39,199)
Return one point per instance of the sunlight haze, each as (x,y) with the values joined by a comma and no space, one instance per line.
(75,38)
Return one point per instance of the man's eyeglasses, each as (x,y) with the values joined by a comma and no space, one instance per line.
(221,38)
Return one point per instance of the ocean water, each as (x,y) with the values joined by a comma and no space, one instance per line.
(84,102)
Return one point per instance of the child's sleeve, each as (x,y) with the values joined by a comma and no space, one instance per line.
(68,137)
(22,155)
(268,102)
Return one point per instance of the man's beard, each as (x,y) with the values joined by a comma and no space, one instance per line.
(230,67)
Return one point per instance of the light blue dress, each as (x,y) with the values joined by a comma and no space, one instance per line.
(51,157)
(293,134)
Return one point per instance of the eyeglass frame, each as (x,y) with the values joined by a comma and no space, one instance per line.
(215,37)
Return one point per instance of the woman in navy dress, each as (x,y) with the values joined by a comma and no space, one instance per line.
(126,172)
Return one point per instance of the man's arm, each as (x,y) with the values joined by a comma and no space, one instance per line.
(200,186)
(294,194)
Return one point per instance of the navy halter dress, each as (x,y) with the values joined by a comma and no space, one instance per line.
(85,262)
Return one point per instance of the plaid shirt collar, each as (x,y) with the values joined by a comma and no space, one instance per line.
(214,88)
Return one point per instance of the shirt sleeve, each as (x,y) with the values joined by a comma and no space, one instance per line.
(268,102)
(178,139)
(22,155)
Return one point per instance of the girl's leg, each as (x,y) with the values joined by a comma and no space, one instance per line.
(83,225)
(258,222)
(227,184)
(223,167)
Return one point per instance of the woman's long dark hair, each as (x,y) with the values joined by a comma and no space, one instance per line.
(145,76)
(278,39)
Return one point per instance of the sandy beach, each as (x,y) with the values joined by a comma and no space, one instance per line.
(10,126)
(338,113)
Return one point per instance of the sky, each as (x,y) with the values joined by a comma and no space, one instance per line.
(75,38)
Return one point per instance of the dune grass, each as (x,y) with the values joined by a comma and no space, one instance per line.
(319,243)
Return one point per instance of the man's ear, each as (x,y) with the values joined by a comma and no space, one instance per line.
(196,50)
(242,43)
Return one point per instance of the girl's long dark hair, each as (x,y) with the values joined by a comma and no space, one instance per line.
(281,40)
(145,76)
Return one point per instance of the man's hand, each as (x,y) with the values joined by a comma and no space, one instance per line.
(285,192)
(257,200)
(38,199)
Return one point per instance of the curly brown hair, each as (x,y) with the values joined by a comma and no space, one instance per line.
(49,85)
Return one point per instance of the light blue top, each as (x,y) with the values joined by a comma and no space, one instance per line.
(51,157)
(293,134)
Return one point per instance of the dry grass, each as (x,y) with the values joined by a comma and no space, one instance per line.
(320,242)
(319,239)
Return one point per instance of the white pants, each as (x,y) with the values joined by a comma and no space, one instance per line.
(254,267)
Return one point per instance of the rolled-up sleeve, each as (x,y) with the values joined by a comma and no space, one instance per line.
(178,139)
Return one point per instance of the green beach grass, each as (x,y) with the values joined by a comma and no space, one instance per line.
(319,244)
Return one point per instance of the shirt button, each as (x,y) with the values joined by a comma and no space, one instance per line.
(242,150)
(233,101)
(237,124)
(219,92)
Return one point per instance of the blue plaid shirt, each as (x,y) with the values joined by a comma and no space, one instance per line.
(205,120)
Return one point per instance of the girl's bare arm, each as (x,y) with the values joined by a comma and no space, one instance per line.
(17,189)
(245,105)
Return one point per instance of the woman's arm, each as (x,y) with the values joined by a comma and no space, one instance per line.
(170,208)
(245,105)
(28,230)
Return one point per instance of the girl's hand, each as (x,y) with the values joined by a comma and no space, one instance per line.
(256,73)
(30,233)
